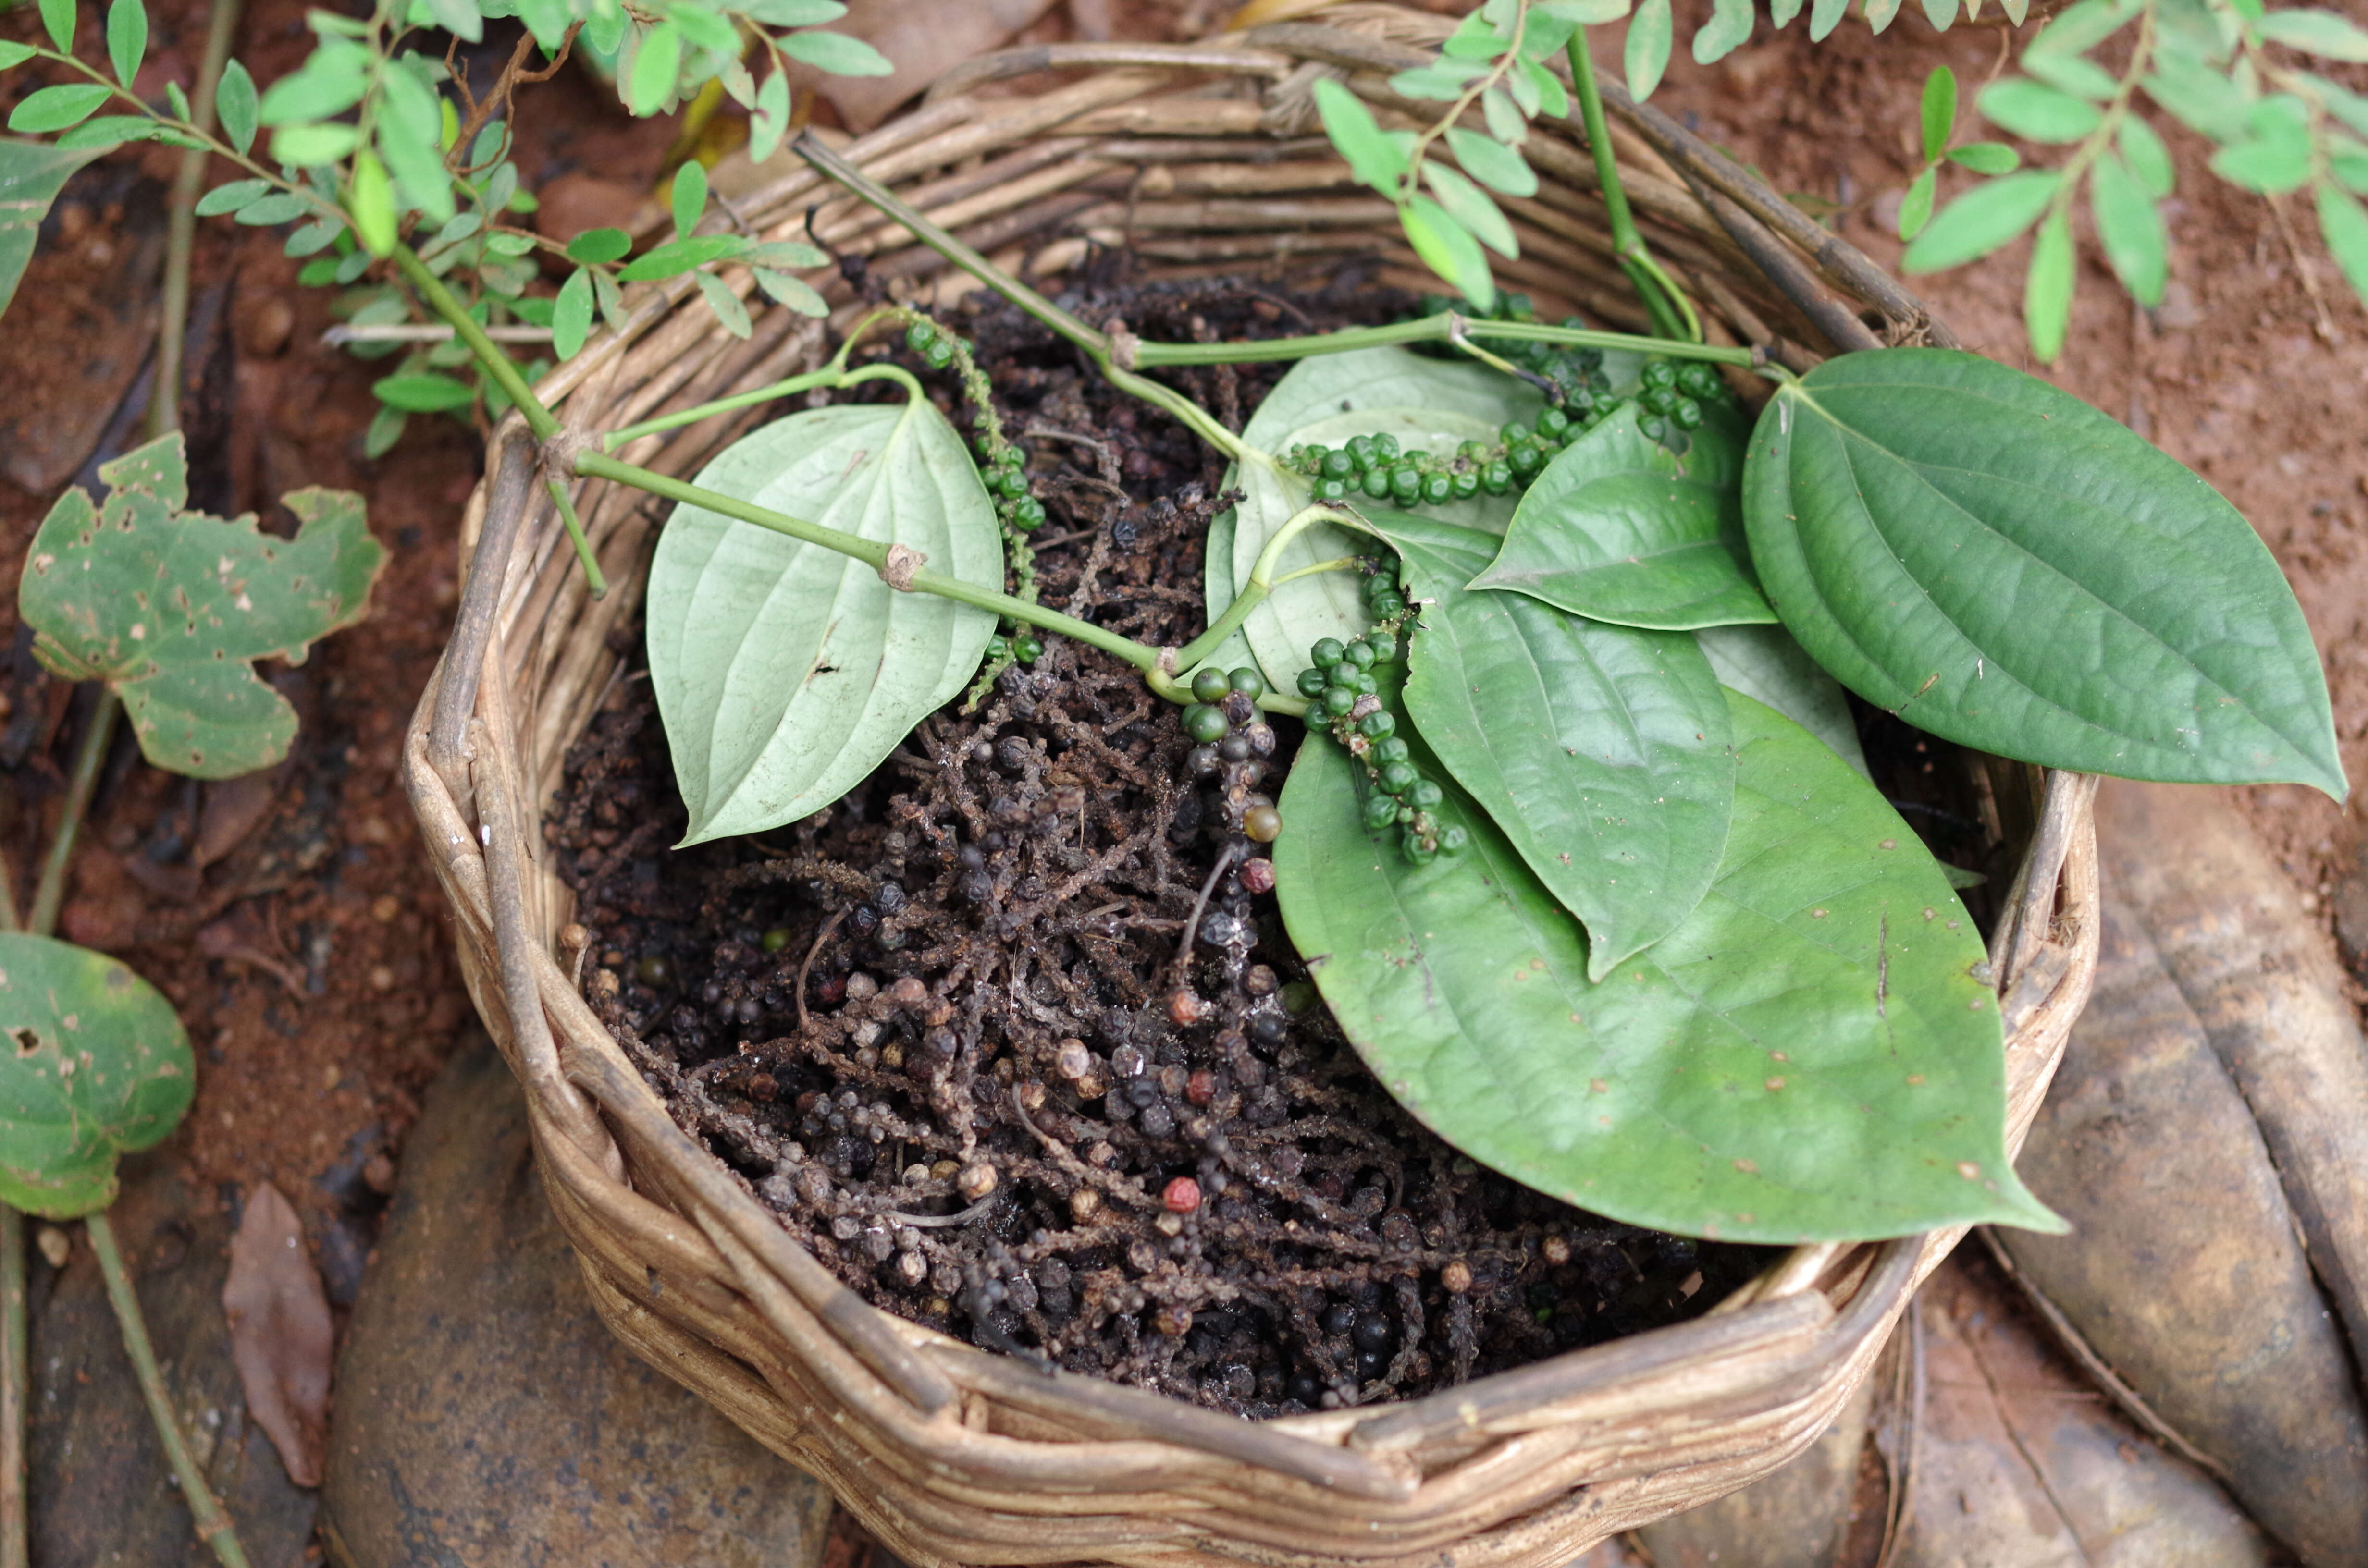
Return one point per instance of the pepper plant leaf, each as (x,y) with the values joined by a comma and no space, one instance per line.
(1806,1057)
(1765,664)
(1601,751)
(93,1065)
(786,671)
(2002,565)
(172,608)
(1425,404)
(1619,529)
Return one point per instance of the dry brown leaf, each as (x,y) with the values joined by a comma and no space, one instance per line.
(925,39)
(280,1334)
(234,808)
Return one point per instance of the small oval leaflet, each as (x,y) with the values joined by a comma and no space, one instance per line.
(785,672)
(2000,564)
(93,1064)
(1806,1057)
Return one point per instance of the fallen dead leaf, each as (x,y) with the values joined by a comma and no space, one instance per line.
(280,1334)
(925,39)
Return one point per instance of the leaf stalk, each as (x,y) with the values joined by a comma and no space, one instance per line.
(1673,314)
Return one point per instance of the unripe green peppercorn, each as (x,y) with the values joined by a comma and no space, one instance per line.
(1381,811)
(1247,681)
(1687,415)
(1205,723)
(1332,490)
(1387,751)
(999,647)
(1552,422)
(1406,487)
(1376,482)
(1452,838)
(1338,700)
(1496,478)
(1397,777)
(919,337)
(1378,724)
(937,355)
(1028,514)
(777,938)
(1359,653)
(1326,653)
(1209,684)
(1026,648)
(1312,682)
(1338,465)
(1385,446)
(1466,485)
(1422,795)
(1438,488)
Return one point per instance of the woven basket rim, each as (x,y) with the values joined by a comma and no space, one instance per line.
(953,1453)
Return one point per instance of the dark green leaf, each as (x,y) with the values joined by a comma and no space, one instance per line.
(127,37)
(1619,530)
(688,199)
(682,256)
(318,272)
(1449,250)
(1469,206)
(171,608)
(2047,288)
(2129,228)
(1938,109)
(1986,158)
(1646,54)
(234,106)
(794,292)
(424,394)
(726,304)
(785,672)
(1729,26)
(1601,750)
(2341,224)
(2322,33)
(1981,221)
(594,246)
(99,1067)
(58,16)
(31,174)
(657,68)
(2037,111)
(1373,158)
(55,108)
(1491,162)
(2002,565)
(571,318)
(836,53)
(1765,664)
(1806,1056)
(1916,206)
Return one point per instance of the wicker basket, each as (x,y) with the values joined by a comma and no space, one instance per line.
(1203,159)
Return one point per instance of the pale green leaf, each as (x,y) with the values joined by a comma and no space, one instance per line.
(55,108)
(1983,218)
(127,37)
(31,174)
(2047,288)
(1986,158)
(1471,208)
(836,53)
(2323,33)
(234,106)
(794,292)
(1373,158)
(1825,16)
(2344,227)
(1646,52)
(58,16)
(657,65)
(1491,162)
(725,305)
(571,318)
(688,199)
(1728,27)
(2148,159)
(2037,111)
(2129,228)
(681,256)
(1916,206)
(1449,250)
(771,119)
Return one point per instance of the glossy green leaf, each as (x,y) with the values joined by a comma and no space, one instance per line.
(2323,33)
(1938,111)
(2130,230)
(688,199)
(794,292)
(1988,216)
(97,1066)
(1450,250)
(1646,55)
(680,257)
(1601,751)
(171,608)
(2047,288)
(2341,224)
(571,318)
(1491,162)
(785,672)
(1373,158)
(1807,1056)
(58,16)
(31,174)
(1986,158)
(55,108)
(836,53)
(657,66)
(1729,26)
(595,246)
(1469,206)
(1916,206)
(1768,665)
(2002,565)
(2037,111)
(724,304)
(127,37)
(1430,404)
(1619,528)
(235,107)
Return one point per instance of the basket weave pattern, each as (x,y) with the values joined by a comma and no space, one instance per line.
(1200,159)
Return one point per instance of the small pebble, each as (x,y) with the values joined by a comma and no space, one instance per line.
(56,1245)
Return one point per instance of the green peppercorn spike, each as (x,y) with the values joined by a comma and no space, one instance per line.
(1204,723)
(1209,684)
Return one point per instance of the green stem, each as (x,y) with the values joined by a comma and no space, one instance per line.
(214,1526)
(496,364)
(1431,329)
(89,759)
(181,225)
(1338,563)
(593,578)
(1261,582)
(828,376)
(1672,313)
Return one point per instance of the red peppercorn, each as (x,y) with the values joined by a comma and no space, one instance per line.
(1183,1196)
(1257,876)
(1200,1088)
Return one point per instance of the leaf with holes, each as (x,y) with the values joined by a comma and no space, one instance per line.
(1806,1057)
(1619,529)
(173,608)
(786,671)
(93,1065)
(2000,564)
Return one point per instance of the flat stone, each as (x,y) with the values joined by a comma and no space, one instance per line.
(102,1494)
(484,1416)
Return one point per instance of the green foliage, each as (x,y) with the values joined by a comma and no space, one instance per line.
(1765,663)
(171,608)
(785,673)
(93,1065)
(1999,563)
(31,174)
(1938,118)
(1806,1055)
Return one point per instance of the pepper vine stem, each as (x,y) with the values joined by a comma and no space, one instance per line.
(1261,582)
(1435,329)
(1672,313)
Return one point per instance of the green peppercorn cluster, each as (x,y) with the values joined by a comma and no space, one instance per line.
(1024,646)
(1670,402)
(1376,468)
(1233,743)
(1581,388)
